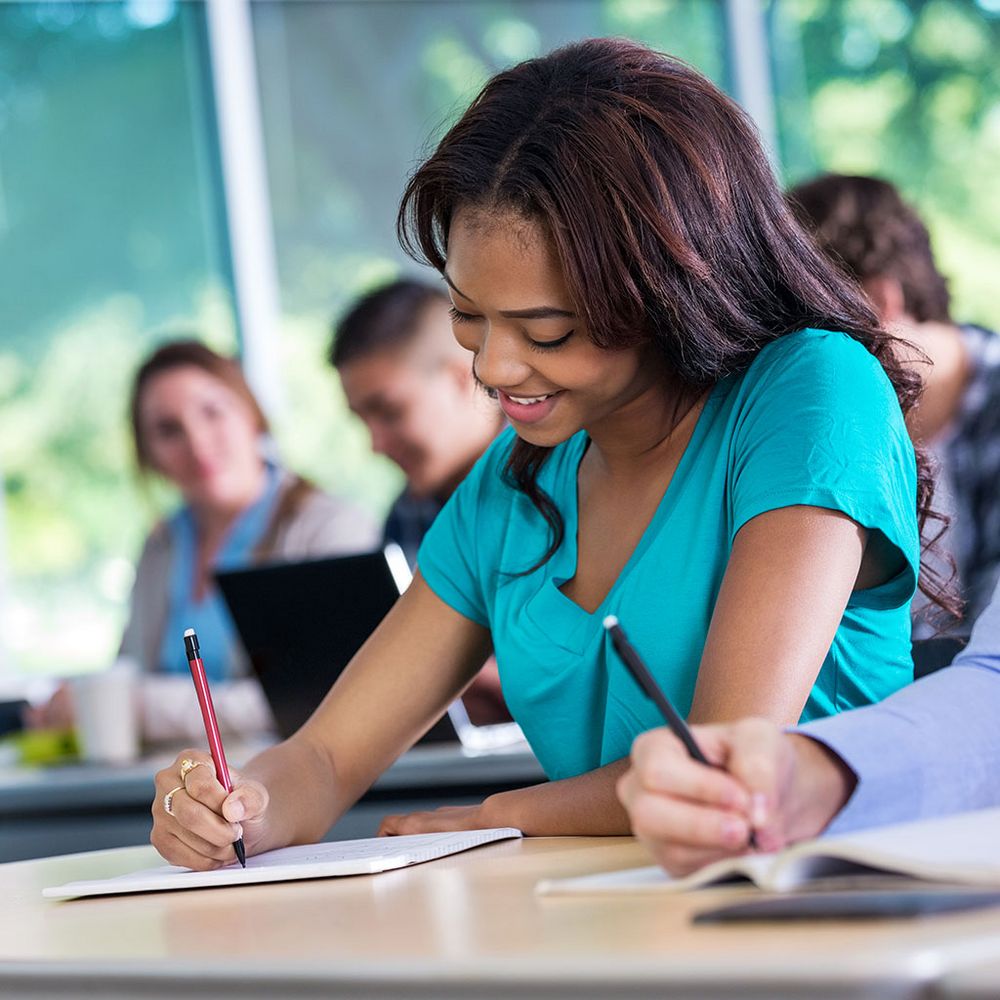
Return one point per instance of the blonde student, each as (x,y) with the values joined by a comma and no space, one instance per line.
(707,439)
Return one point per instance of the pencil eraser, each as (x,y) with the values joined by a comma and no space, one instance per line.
(187,632)
(611,621)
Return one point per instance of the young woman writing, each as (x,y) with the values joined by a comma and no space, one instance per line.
(706,440)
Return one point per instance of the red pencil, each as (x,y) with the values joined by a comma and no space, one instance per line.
(211,725)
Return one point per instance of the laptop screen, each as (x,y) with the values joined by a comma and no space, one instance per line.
(301,623)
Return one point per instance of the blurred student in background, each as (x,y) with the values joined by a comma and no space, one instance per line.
(405,375)
(408,379)
(865,224)
(196,423)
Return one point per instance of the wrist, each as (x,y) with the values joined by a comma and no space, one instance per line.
(495,811)
(821,784)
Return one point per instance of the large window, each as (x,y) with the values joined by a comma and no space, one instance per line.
(352,93)
(113,230)
(909,91)
(111,236)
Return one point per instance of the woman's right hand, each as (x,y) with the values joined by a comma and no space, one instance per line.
(204,820)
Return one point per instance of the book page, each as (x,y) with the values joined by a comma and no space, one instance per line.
(325,860)
(964,847)
(961,848)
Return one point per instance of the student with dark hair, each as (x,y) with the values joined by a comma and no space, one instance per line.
(404,374)
(707,440)
(407,378)
(865,225)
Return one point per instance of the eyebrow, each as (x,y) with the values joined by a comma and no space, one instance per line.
(535,312)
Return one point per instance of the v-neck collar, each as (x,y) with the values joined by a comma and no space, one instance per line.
(566,559)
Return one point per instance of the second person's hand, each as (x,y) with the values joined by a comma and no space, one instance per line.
(203,819)
(782,787)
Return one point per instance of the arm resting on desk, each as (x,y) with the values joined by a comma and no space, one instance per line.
(584,806)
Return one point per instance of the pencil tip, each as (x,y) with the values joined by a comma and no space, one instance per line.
(611,621)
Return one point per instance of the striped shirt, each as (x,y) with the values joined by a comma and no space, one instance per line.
(969,464)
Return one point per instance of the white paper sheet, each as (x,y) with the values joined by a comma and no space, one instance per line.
(344,857)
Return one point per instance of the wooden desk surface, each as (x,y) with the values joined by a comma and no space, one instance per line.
(469,923)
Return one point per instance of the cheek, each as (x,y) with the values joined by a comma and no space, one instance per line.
(239,435)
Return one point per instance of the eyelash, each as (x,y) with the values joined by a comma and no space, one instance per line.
(460,317)
(534,345)
(549,345)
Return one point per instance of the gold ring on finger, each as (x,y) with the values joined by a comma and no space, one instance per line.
(168,800)
(187,766)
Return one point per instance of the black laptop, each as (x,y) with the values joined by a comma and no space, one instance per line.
(301,623)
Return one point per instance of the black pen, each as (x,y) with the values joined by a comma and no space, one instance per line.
(640,672)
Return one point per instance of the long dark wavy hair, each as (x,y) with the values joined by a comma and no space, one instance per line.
(668,223)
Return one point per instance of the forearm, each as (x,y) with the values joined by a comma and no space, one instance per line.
(582,806)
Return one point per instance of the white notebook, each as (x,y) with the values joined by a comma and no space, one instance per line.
(343,857)
(960,848)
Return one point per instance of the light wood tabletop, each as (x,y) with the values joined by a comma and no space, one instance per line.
(466,924)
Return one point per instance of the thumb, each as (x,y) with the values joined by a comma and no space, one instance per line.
(247,801)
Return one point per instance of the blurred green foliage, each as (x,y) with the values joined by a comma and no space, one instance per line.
(908,91)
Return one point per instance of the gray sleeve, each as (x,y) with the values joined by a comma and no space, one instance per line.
(326,525)
(930,749)
(147,612)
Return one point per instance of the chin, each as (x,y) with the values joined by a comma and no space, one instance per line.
(421,488)
(542,437)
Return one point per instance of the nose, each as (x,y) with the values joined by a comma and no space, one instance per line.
(198,441)
(498,362)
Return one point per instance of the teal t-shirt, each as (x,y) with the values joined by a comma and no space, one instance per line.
(814,421)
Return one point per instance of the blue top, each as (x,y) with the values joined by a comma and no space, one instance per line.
(210,617)
(815,421)
(932,748)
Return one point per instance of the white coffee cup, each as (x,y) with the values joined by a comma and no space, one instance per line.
(107,724)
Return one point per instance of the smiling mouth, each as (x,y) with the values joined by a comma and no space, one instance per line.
(528,409)
(528,400)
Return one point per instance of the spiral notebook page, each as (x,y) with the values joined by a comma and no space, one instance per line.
(344,857)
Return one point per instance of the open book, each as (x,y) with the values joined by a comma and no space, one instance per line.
(344,857)
(961,848)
